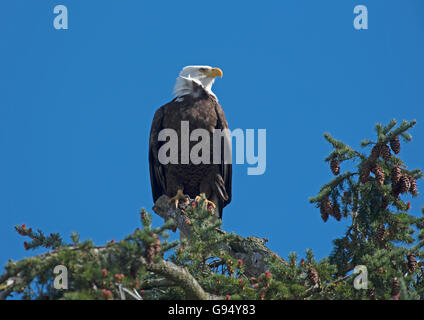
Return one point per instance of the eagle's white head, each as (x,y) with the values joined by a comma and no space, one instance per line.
(201,75)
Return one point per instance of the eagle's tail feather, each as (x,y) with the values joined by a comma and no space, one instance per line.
(220,188)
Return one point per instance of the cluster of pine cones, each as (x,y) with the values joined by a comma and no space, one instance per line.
(412,265)
(402,182)
(328,209)
(383,150)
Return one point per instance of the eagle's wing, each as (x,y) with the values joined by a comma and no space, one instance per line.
(157,176)
(225,166)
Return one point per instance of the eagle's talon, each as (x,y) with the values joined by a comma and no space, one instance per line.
(207,202)
(176,199)
(210,203)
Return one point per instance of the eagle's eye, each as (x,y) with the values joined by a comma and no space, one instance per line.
(203,70)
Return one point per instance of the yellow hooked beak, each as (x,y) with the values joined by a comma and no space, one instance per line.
(214,72)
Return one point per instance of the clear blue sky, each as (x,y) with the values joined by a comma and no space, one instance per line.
(76,106)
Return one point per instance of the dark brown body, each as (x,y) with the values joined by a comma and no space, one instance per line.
(212,179)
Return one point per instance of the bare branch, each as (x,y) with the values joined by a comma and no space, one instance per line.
(181,277)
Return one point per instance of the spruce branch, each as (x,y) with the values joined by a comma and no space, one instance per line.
(176,274)
(327,188)
(180,276)
(250,250)
(210,263)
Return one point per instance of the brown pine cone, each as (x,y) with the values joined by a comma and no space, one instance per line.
(412,262)
(396,174)
(385,152)
(150,254)
(413,188)
(395,145)
(336,212)
(364,174)
(324,214)
(396,191)
(379,174)
(153,249)
(375,152)
(326,208)
(335,166)
(404,183)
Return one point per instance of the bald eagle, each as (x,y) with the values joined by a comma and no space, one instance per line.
(194,102)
